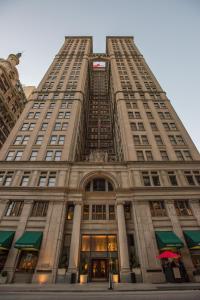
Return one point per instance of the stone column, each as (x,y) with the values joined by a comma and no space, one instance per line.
(123,244)
(75,240)
(13,254)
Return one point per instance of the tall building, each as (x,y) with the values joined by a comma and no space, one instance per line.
(99,175)
(12,97)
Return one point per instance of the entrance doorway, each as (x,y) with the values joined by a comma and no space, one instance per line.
(99,269)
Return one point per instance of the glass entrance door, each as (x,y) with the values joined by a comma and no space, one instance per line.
(99,269)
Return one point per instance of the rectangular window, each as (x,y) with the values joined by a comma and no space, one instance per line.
(10,155)
(7,180)
(39,140)
(57,155)
(49,155)
(86,212)
(172,178)
(98,212)
(149,155)
(61,140)
(154,126)
(51,181)
(164,155)
(18,155)
(48,115)
(70,212)
(179,155)
(111,212)
(151,178)
(25,180)
(34,154)
(14,209)
(18,140)
(140,155)
(42,180)
(182,208)
(44,126)
(157,208)
(39,209)
(158,140)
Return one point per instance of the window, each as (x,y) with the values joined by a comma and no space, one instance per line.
(47,179)
(192,177)
(158,140)
(53,155)
(149,155)
(187,155)
(8,179)
(53,139)
(149,115)
(28,126)
(157,208)
(179,155)
(39,209)
(70,212)
(137,126)
(64,115)
(127,211)
(39,140)
(57,155)
(111,212)
(172,178)
(44,126)
(18,155)
(10,155)
(14,208)
(52,105)
(99,185)
(21,140)
(61,140)
(182,208)
(153,126)
(60,126)
(49,155)
(151,178)
(86,212)
(144,140)
(42,180)
(98,212)
(183,155)
(51,180)
(48,115)
(140,155)
(34,154)
(25,180)
(164,155)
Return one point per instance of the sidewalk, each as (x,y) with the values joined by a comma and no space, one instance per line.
(96,287)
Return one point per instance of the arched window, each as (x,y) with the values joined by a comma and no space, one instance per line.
(99,185)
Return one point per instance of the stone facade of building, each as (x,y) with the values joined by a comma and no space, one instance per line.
(12,97)
(98,175)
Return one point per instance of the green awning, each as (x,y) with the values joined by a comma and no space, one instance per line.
(167,240)
(30,240)
(6,238)
(192,238)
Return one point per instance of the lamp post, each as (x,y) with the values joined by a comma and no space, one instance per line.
(110,283)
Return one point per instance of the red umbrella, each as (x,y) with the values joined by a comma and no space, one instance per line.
(168,254)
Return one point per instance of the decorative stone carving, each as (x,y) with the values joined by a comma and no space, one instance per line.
(98,156)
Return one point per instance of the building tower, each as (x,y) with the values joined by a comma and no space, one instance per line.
(99,174)
(12,98)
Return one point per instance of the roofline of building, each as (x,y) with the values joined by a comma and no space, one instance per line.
(117,37)
(81,37)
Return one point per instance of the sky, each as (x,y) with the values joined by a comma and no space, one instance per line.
(167,32)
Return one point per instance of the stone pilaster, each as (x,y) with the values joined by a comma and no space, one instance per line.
(123,243)
(75,240)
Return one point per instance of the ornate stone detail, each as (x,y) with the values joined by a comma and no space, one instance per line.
(98,156)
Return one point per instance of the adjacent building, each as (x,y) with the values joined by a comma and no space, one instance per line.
(99,174)
(12,97)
